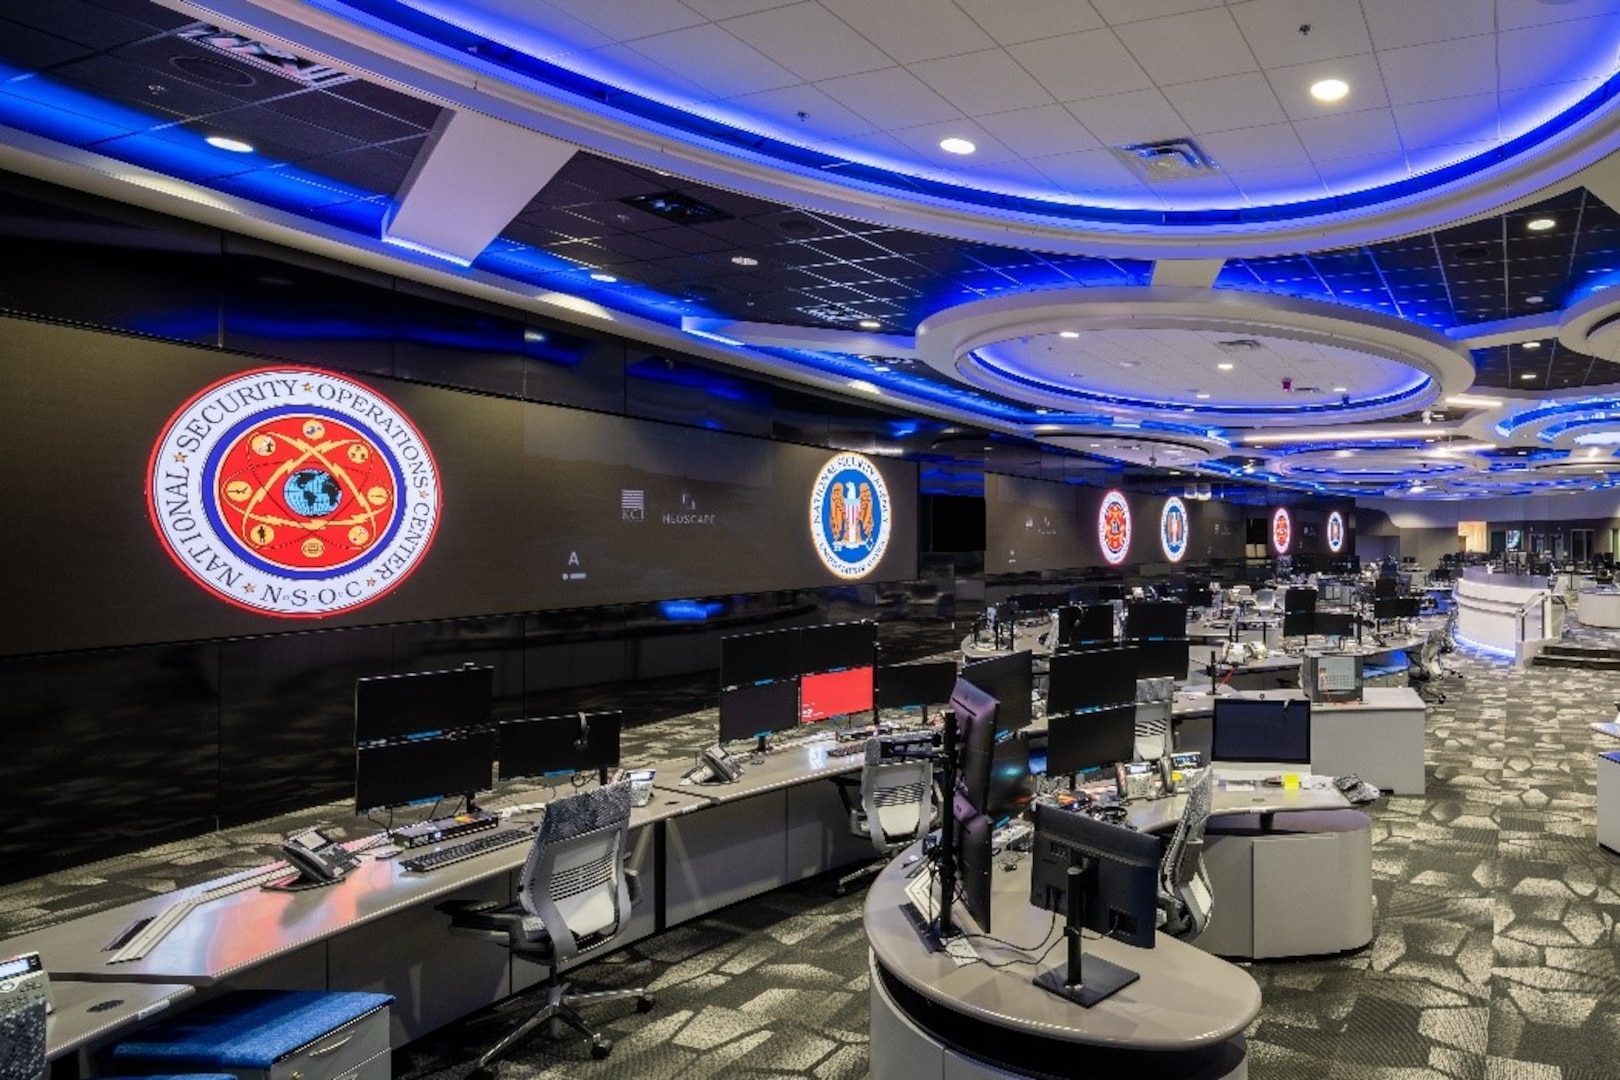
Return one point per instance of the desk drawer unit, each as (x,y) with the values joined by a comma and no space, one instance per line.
(270,1035)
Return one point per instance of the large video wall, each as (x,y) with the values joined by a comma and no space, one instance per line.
(171,493)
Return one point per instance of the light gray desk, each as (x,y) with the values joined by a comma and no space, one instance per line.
(86,1013)
(932,1019)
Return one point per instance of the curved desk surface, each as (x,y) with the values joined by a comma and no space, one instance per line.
(1185,999)
(1600,607)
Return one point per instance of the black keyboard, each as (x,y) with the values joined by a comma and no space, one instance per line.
(844,749)
(454,853)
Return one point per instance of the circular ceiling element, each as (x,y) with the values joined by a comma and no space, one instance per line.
(1194,356)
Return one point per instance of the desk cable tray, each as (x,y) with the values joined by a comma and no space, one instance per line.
(143,936)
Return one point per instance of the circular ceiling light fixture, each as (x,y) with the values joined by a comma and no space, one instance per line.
(1527,376)
(225,142)
(606,279)
(1535,299)
(1540,224)
(870,324)
(745,260)
(1330,89)
(1225,366)
(1341,389)
(955,145)
(1068,334)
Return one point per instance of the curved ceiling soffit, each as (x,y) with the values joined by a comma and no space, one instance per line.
(414,64)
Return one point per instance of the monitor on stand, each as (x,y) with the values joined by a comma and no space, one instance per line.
(422,703)
(904,686)
(758,710)
(560,745)
(427,770)
(1092,739)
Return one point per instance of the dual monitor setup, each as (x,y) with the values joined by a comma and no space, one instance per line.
(428,736)
(776,680)
(1301,619)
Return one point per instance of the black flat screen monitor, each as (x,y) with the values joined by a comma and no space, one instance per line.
(1385,586)
(1090,740)
(1255,730)
(1297,599)
(994,774)
(752,658)
(1163,658)
(975,861)
(1010,680)
(422,703)
(1335,623)
(1408,607)
(1199,595)
(1090,679)
(1095,624)
(1119,871)
(759,709)
(549,745)
(901,686)
(837,645)
(1155,619)
(423,770)
(1298,623)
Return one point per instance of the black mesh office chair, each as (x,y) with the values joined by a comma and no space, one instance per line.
(1186,899)
(896,807)
(22,1038)
(574,900)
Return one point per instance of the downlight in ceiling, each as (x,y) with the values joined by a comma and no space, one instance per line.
(1167,159)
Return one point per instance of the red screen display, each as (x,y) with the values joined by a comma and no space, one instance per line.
(835,693)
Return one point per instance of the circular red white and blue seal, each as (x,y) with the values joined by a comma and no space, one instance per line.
(850,516)
(1114,528)
(293,492)
(1173,529)
(1335,532)
(1282,530)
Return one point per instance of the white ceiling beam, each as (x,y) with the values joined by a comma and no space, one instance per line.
(818,339)
(1189,273)
(472,177)
(1506,331)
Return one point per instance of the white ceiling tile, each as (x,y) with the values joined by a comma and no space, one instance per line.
(1361,134)
(729,9)
(983,82)
(1554,53)
(1515,14)
(1250,149)
(1141,116)
(1272,27)
(1346,174)
(824,118)
(913,30)
(1051,129)
(1186,48)
(1201,192)
(629,19)
(923,141)
(1011,22)
(1444,69)
(1422,159)
(809,41)
(1124,11)
(712,58)
(1523,109)
(891,98)
(1236,101)
(1397,23)
(1014,175)
(536,28)
(1293,86)
(1444,123)
(622,66)
(1081,66)
(1291,183)
(1092,170)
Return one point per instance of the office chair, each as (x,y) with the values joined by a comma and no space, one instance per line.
(1265,601)
(1426,672)
(22,1037)
(574,899)
(896,808)
(1186,899)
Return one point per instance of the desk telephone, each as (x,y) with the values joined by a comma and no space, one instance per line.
(318,857)
(716,767)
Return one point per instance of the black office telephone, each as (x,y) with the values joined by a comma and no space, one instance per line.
(716,767)
(318,857)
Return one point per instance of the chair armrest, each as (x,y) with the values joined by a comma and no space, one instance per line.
(633,883)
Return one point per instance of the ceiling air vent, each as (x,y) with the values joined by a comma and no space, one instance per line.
(1167,159)
(1239,345)
(262,56)
(673,206)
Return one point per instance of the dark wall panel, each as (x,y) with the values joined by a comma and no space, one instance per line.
(457,342)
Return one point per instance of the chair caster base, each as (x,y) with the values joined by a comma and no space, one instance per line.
(601,1048)
(645,1002)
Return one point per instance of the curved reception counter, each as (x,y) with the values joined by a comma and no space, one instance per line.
(1497,612)
(1600,607)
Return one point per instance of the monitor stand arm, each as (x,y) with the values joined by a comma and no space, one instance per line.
(1083,982)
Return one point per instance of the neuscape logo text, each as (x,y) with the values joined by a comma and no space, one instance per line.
(293,492)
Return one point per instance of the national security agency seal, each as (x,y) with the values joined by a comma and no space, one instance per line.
(1173,529)
(850,516)
(1114,528)
(1335,532)
(293,492)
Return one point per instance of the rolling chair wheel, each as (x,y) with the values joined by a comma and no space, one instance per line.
(645,1002)
(601,1048)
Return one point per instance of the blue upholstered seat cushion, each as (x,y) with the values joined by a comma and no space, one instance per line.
(249,1029)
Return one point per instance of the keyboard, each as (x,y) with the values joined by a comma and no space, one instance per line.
(147,936)
(478,845)
(843,749)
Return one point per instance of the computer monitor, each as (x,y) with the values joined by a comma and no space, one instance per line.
(761,657)
(552,745)
(836,693)
(758,709)
(1116,877)
(1299,599)
(1163,658)
(1090,679)
(1199,595)
(1010,680)
(1335,623)
(975,860)
(1298,623)
(1090,740)
(837,645)
(902,686)
(1385,586)
(1408,607)
(1094,624)
(1155,619)
(423,770)
(422,703)
(1270,730)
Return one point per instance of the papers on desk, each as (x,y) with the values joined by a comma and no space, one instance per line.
(923,893)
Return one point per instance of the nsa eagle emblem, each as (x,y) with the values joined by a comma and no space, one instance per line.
(1114,528)
(1335,532)
(293,492)
(850,516)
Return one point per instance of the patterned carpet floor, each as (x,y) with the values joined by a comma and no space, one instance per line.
(1494,956)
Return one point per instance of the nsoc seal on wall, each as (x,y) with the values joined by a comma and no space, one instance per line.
(850,516)
(1335,532)
(1114,528)
(1173,529)
(293,492)
(1282,530)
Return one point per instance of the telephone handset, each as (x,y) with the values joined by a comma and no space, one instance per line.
(317,856)
(716,767)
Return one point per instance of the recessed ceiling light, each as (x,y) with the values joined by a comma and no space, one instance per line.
(1527,376)
(1042,412)
(881,369)
(1535,299)
(1224,367)
(606,278)
(1202,397)
(1096,445)
(870,324)
(1341,389)
(1540,224)
(225,142)
(1329,89)
(1344,453)
(745,260)
(1130,363)
(954,145)
(863,385)
(1069,333)
(1531,345)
